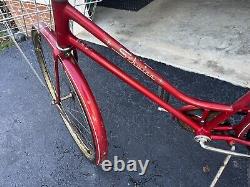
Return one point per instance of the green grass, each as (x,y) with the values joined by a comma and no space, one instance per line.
(5,42)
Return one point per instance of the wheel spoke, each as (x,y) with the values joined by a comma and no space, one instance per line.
(80,129)
(84,115)
(71,109)
(78,121)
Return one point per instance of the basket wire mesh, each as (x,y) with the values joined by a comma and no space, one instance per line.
(21,15)
(18,16)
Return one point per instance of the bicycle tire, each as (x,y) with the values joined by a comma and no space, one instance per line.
(82,142)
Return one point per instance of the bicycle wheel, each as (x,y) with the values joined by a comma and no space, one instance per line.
(71,109)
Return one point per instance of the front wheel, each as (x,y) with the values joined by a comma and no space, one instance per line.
(89,135)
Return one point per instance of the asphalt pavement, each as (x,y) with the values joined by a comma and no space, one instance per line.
(37,150)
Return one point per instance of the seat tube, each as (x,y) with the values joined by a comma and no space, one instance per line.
(61,22)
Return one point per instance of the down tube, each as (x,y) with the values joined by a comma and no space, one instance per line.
(129,80)
(139,64)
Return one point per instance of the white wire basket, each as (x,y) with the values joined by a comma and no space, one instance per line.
(18,16)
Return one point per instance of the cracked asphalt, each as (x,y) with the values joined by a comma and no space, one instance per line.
(37,150)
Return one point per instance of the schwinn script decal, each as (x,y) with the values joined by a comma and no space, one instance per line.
(127,54)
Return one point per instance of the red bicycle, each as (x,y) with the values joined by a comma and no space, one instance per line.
(76,104)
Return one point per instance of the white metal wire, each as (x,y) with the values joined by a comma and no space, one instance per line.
(20,15)
(5,23)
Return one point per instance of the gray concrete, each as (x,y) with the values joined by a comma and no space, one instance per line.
(209,37)
(37,150)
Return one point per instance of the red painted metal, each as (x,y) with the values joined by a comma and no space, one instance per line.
(93,112)
(63,12)
(129,80)
(83,89)
(136,61)
(230,139)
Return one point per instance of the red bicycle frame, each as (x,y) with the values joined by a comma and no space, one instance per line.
(62,39)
